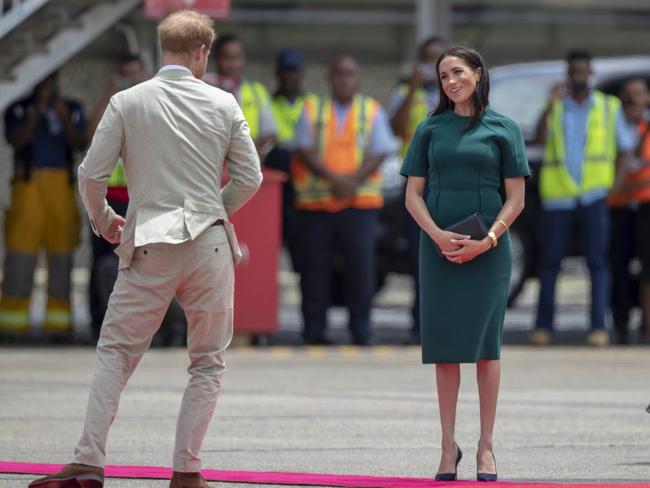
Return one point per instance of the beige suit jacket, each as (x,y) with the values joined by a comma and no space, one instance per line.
(173,133)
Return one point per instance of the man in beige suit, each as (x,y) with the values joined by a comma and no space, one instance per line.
(173,134)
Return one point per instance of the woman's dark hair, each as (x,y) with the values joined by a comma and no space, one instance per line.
(480,97)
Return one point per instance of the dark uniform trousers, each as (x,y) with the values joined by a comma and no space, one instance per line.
(353,232)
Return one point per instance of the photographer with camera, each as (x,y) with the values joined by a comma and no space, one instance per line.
(418,95)
(130,72)
(409,104)
(44,131)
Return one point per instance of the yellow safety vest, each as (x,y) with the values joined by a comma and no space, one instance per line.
(418,112)
(253,97)
(118,177)
(599,155)
(341,149)
(287,114)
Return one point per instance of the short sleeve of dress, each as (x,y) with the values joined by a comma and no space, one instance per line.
(416,162)
(514,160)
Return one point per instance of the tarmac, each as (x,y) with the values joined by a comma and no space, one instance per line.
(565,413)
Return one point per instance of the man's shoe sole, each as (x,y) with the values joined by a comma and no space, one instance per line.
(88,480)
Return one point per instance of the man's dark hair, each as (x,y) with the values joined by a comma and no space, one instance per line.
(634,79)
(338,57)
(628,81)
(578,55)
(223,40)
(131,58)
(427,42)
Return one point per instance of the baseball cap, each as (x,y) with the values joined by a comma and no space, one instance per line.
(289,59)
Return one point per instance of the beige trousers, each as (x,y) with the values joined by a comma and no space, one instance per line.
(200,273)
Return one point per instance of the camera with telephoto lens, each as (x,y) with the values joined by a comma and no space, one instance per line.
(428,72)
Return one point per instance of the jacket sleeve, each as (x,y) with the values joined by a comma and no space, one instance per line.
(243,164)
(97,166)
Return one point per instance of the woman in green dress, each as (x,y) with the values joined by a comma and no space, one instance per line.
(466,152)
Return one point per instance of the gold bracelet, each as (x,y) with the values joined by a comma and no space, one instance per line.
(502,223)
(493,237)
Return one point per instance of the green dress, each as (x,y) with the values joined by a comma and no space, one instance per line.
(462,306)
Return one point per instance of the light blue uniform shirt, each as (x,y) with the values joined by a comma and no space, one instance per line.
(381,143)
(575,137)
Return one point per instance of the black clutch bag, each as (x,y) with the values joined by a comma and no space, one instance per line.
(472,226)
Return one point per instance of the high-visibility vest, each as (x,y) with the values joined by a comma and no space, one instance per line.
(341,151)
(636,185)
(117,188)
(417,114)
(287,114)
(118,176)
(252,99)
(600,150)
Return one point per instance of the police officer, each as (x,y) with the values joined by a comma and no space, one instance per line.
(287,105)
(103,272)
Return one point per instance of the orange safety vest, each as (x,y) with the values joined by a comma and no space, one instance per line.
(636,185)
(341,150)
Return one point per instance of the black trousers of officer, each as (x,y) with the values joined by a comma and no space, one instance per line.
(352,232)
(103,274)
(623,247)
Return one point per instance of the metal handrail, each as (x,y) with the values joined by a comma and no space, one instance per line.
(60,47)
(14,12)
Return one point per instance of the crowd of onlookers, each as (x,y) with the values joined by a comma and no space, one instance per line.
(595,172)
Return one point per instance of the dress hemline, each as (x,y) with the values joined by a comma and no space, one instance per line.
(464,361)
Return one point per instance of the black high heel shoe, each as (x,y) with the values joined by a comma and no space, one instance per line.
(488,476)
(451,476)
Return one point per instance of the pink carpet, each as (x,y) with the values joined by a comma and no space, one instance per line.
(298,479)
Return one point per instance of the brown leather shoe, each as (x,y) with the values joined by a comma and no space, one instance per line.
(72,476)
(598,338)
(188,480)
(539,337)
